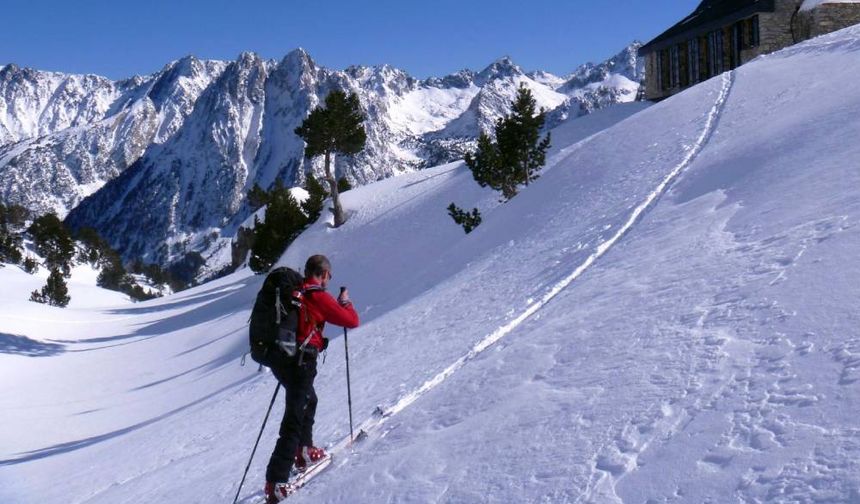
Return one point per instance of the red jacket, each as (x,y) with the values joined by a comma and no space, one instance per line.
(318,308)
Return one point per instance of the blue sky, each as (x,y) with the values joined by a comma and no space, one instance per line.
(427,38)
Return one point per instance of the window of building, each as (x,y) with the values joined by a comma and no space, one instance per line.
(754,38)
(704,62)
(715,52)
(675,61)
(749,35)
(736,44)
(683,65)
(693,60)
(665,73)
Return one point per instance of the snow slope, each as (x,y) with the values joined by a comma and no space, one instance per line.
(83,291)
(667,315)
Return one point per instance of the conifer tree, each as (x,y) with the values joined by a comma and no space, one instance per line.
(519,137)
(94,246)
(316,198)
(343,185)
(517,153)
(55,292)
(284,221)
(113,275)
(257,197)
(334,129)
(53,242)
(10,241)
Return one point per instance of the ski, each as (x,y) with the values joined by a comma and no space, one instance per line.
(303,478)
(299,480)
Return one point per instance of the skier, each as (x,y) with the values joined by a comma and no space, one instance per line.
(295,442)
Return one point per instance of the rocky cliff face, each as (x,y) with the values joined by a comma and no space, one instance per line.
(161,164)
(63,137)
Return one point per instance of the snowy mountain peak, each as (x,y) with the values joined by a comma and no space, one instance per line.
(8,69)
(462,79)
(626,63)
(297,60)
(501,68)
(195,136)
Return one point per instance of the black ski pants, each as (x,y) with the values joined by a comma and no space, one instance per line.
(297,425)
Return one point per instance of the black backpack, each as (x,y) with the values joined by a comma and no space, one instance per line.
(274,321)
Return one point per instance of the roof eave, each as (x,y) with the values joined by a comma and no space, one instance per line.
(659,42)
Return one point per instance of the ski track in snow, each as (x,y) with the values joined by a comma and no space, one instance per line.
(488,341)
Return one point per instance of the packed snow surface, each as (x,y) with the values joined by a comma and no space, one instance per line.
(667,315)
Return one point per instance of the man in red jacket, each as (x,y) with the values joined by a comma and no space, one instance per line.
(295,442)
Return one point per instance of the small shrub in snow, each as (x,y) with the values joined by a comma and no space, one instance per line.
(469,220)
(30,265)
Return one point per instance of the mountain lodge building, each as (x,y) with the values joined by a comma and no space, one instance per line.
(721,35)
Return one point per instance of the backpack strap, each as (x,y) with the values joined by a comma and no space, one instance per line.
(308,319)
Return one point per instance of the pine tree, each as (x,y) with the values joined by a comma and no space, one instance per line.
(257,197)
(94,246)
(486,167)
(10,240)
(53,242)
(284,221)
(343,185)
(519,138)
(10,247)
(517,153)
(334,129)
(55,292)
(316,198)
(113,275)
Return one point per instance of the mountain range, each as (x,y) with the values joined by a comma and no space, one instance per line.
(160,164)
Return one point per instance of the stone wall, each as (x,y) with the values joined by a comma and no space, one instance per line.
(775,28)
(652,87)
(826,18)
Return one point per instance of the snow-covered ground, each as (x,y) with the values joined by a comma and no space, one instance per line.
(18,284)
(667,315)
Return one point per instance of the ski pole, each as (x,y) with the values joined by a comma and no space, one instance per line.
(348,388)
(277,387)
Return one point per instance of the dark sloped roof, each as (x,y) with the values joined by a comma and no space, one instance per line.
(709,15)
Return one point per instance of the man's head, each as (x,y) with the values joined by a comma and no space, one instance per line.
(319,268)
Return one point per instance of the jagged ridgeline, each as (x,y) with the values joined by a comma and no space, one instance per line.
(161,164)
